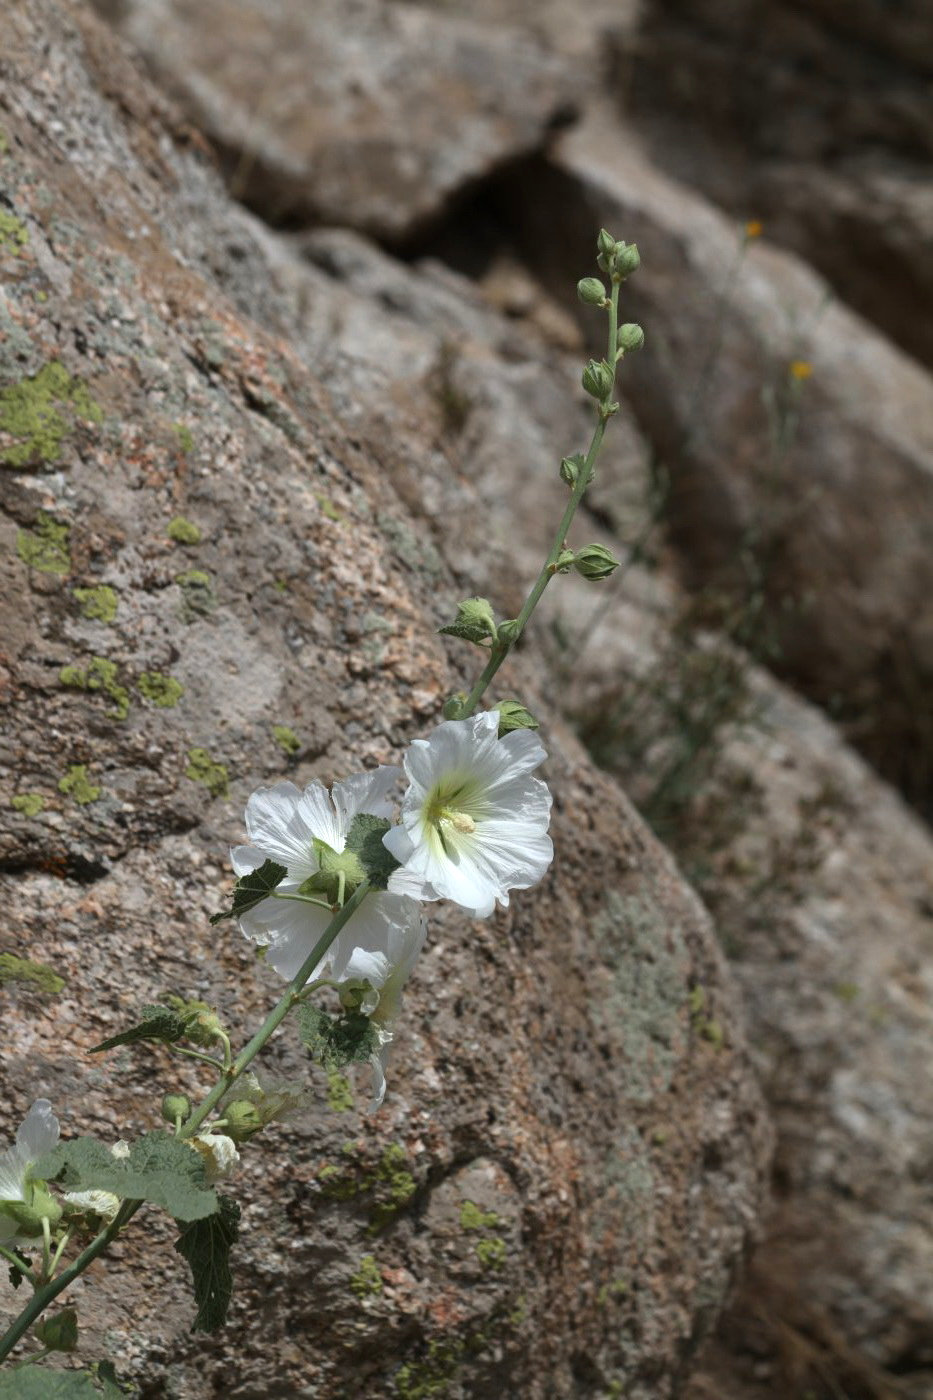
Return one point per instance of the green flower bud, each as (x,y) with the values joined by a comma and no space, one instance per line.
(628,259)
(59,1333)
(175,1106)
(594,561)
(605,250)
(591,291)
(631,336)
(508,632)
(29,1215)
(513,715)
(564,561)
(453,705)
(475,621)
(243,1120)
(597,379)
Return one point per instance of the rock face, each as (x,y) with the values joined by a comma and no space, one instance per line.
(797,439)
(363,114)
(203,567)
(819,881)
(816,118)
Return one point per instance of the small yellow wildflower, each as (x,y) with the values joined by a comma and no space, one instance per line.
(754,228)
(800,369)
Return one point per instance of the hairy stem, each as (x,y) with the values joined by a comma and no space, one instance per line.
(501,651)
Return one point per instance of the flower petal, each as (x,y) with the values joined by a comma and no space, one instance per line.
(365,792)
(38,1133)
(316,811)
(275,824)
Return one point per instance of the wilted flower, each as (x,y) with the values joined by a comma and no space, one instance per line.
(218,1153)
(307,833)
(383,972)
(474,822)
(23,1200)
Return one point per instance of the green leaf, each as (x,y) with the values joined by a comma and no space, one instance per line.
(60,1332)
(42,1383)
(364,839)
(158,1023)
(337,1041)
(475,621)
(206,1245)
(159,1169)
(252,889)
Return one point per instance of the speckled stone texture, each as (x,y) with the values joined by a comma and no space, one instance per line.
(550,1069)
(352,111)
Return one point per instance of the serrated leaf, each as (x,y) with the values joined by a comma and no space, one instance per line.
(60,1332)
(251,889)
(158,1023)
(337,1041)
(159,1169)
(364,839)
(206,1245)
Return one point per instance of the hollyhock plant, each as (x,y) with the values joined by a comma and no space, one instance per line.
(381,974)
(306,831)
(19,1193)
(474,820)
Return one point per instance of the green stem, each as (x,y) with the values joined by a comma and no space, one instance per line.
(49,1291)
(500,652)
(199,1055)
(278,1013)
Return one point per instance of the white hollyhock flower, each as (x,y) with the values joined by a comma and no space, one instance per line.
(474,820)
(385,969)
(298,830)
(37,1135)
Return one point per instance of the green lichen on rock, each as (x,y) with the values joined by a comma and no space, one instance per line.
(491,1252)
(29,803)
(198,598)
(38,975)
(203,769)
(78,785)
(706,1026)
(339,1092)
(46,546)
(185,437)
(386,1188)
(422,1380)
(183,531)
(472,1218)
(99,674)
(98,604)
(329,509)
(286,738)
(160,690)
(367,1281)
(31,412)
(13,232)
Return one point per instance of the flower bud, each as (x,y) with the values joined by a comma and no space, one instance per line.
(597,379)
(594,561)
(513,715)
(628,259)
(29,1215)
(570,468)
(605,250)
(475,621)
(507,632)
(175,1106)
(591,291)
(631,336)
(243,1120)
(564,561)
(453,705)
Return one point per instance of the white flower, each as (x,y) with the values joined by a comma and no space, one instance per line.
(474,822)
(297,829)
(386,969)
(218,1153)
(37,1135)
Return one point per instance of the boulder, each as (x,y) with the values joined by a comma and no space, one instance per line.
(212,582)
(367,114)
(798,440)
(815,119)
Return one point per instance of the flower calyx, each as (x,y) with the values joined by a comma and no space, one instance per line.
(594,562)
(475,622)
(592,292)
(598,379)
(571,467)
(514,715)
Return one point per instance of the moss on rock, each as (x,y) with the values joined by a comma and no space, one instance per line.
(78,785)
(38,975)
(160,690)
(46,546)
(98,604)
(203,769)
(31,412)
